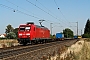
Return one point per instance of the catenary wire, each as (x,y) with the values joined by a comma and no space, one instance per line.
(20,7)
(18,11)
(62,13)
(42,10)
(27,10)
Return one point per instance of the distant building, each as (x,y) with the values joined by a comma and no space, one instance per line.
(2,35)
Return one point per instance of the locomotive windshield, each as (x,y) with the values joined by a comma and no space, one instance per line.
(22,28)
(25,28)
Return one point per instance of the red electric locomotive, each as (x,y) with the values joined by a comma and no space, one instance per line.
(30,33)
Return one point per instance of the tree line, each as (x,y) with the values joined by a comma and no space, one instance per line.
(12,33)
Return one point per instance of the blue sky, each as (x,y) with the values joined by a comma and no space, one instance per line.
(69,12)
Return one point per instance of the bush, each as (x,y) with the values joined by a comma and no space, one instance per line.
(11,35)
(52,36)
(86,35)
(2,38)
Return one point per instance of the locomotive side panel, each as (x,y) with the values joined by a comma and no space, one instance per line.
(42,33)
(37,31)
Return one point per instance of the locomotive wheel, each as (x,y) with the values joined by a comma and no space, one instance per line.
(32,42)
(24,43)
(36,42)
(44,41)
(41,41)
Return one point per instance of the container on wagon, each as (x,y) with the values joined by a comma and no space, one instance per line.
(75,37)
(59,35)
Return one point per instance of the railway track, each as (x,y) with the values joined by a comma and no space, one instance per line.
(11,52)
(19,47)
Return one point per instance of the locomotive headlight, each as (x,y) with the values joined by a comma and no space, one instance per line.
(28,34)
(20,34)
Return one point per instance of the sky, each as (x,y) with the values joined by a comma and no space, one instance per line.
(61,13)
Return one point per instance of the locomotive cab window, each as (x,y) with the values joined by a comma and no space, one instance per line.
(27,28)
(22,28)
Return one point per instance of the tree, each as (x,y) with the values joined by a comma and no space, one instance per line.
(9,28)
(11,33)
(87,30)
(86,35)
(16,32)
(68,33)
(87,27)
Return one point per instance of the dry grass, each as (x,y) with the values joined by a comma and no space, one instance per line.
(83,54)
(8,40)
(78,51)
(8,43)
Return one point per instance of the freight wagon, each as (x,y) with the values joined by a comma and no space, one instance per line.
(59,36)
(77,37)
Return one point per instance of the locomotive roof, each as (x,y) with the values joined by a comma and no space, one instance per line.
(41,26)
(36,26)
